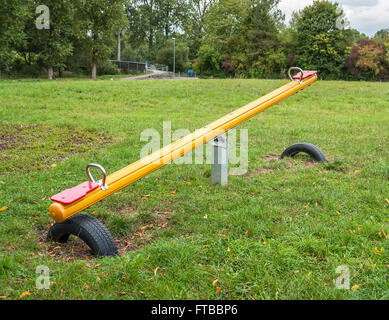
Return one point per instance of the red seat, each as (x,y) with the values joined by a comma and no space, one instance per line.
(74,194)
(306,74)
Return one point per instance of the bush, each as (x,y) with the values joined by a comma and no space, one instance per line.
(130,54)
(368,61)
(107,68)
(209,61)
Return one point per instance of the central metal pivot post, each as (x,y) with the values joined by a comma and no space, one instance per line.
(220,160)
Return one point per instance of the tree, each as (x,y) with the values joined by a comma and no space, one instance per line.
(12,17)
(382,35)
(194,23)
(322,43)
(246,32)
(357,36)
(209,60)
(261,23)
(53,45)
(99,21)
(165,56)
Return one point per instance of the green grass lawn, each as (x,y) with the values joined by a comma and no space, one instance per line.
(279,232)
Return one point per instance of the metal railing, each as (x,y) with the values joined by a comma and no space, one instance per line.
(126,66)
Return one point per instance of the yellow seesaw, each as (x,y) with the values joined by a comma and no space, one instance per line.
(72,201)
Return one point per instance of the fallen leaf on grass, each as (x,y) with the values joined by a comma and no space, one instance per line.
(173,192)
(122,293)
(338,212)
(218,289)
(25,293)
(206,246)
(355,288)
(3,208)
(215,281)
(151,226)
(378,251)
(384,234)
(53,165)
(87,287)
(156,270)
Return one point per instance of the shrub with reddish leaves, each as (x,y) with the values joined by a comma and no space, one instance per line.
(369,60)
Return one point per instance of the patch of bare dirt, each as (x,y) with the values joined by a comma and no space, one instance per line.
(76,249)
(288,165)
(143,235)
(29,147)
(271,157)
(258,172)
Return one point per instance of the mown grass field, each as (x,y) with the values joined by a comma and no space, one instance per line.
(279,232)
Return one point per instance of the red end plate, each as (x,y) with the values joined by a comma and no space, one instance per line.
(74,194)
(306,74)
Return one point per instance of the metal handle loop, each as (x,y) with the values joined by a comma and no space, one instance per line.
(297,69)
(102,184)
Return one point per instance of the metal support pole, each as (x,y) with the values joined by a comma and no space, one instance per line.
(174,58)
(220,160)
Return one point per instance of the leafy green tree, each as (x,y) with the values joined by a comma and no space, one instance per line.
(382,35)
(99,21)
(357,36)
(322,44)
(262,27)
(209,61)
(194,23)
(166,53)
(12,17)
(53,45)
(246,32)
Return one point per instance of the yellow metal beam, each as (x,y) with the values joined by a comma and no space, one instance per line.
(156,160)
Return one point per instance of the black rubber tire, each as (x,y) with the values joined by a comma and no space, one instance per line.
(308,148)
(88,229)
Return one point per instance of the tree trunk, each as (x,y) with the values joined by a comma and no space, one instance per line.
(119,47)
(150,41)
(94,71)
(50,72)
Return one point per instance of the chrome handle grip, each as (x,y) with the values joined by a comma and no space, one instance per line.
(297,69)
(102,184)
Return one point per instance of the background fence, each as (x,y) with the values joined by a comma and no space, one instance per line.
(127,66)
